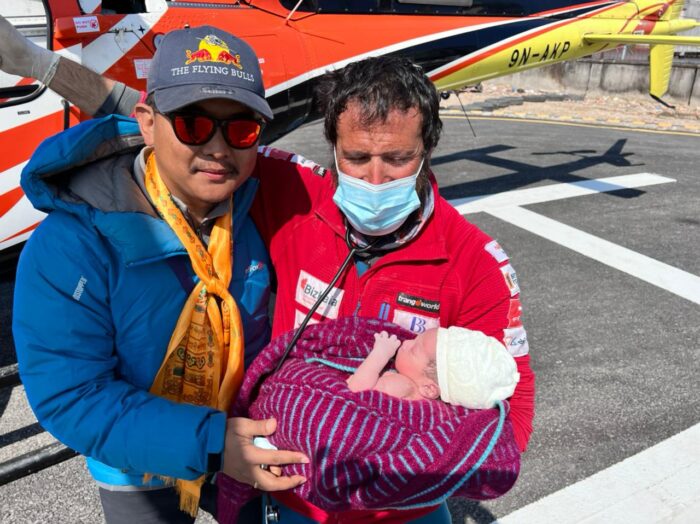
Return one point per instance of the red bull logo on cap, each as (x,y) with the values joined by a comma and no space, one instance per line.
(213,49)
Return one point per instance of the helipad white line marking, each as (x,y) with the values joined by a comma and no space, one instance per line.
(660,484)
(536,195)
(641,266)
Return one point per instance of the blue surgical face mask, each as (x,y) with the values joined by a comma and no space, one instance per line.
(376,209)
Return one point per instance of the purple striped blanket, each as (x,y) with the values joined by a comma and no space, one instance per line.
(368,450)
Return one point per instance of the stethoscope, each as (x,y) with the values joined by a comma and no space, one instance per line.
(354,250)
(271,512)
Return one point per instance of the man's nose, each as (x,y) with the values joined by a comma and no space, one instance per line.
(217,146)
(375,171)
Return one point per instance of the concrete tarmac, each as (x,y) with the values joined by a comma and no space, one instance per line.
(615,355)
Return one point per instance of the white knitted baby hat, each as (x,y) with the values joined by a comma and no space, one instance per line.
(473,370)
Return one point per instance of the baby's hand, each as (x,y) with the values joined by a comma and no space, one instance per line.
(386,343)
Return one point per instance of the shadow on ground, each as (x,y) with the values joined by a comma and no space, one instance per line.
(525,174)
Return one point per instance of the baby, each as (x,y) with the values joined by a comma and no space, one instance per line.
(457,365)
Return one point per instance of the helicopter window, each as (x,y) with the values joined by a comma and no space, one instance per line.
(427,7)
(421,7)
(123,6)
(457,3)
(306,6)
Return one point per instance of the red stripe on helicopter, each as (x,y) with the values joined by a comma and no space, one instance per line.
(25,138)
(9,199)
(25,230)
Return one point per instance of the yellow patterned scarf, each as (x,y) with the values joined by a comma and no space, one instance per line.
(204,361)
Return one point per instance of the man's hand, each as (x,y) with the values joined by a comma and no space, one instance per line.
(242,459)
(19,56)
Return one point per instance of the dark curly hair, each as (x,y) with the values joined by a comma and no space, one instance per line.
(380,85)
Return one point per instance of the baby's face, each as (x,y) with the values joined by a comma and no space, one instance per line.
(414,355)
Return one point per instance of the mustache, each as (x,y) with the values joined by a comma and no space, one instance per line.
(218,167)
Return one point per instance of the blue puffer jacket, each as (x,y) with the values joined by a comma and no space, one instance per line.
(100,286)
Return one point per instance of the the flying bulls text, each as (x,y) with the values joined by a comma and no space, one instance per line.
(211,69)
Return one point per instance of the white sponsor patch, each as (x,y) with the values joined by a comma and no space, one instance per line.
(309,288)
(511,279)
(86,24)
(414,322)
(515,340)
(496,251)
(142,67)
(299,318)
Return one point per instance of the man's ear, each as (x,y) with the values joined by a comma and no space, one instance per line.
(429,389)
(146,118)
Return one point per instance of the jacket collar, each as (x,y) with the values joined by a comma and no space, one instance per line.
(142,239)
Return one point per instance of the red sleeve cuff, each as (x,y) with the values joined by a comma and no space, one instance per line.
(522,403)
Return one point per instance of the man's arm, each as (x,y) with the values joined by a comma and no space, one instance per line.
(368,372)
(492,306)
(94,94)
(65,342)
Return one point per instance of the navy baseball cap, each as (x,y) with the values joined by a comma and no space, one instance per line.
(201,63)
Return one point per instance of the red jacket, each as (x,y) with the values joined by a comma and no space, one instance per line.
(451,274)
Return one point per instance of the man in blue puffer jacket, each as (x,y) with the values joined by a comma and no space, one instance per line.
(128,320)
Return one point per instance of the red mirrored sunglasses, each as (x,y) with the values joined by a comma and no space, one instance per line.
(195,129)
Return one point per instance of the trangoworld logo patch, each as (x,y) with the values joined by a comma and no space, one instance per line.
(431,306)
(213,49)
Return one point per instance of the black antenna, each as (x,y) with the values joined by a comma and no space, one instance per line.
(465,113)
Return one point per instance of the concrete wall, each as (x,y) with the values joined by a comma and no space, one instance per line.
(588,75)
(691,10)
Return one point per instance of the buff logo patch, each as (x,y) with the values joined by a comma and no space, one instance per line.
(515,340)
(414,322)
(254,267)
(309,288)
(511,279)
(431,306)
(496,251)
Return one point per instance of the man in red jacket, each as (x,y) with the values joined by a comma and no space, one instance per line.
(421,264)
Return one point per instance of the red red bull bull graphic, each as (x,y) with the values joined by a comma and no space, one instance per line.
(213,49)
